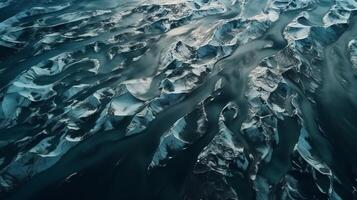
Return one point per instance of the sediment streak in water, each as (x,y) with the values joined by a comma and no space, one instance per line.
(189,99)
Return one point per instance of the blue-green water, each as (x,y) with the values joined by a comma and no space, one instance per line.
(180,99)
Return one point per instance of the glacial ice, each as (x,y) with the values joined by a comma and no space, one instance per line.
(258,95)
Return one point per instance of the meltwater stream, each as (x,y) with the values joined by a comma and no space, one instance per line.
(178,99)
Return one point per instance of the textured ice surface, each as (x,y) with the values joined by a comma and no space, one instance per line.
(178,99)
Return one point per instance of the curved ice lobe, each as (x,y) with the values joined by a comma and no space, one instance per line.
(352,47)
(67,99)
(181,135)
(46,148)
(301,31)
(81,30)
(71,26)
(222,158)
(290,5)
(179,78)
(167,16)
(269,100)
(340,12)
(12,28)
(268,83)
(184,79)
(76,115)
(304,149)
(185,68)
(174,88)
(142,119)
(200,47)
(240,31)
(268,94)
(142,88)
(224,151)
(296,30)
(200,56)
(123,103)
(29,89)
(260,129)
(108,106)
(85,28)
(41,156)
(22,92)
(307,45)
(310,177)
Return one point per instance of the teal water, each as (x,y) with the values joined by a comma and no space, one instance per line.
(181,99)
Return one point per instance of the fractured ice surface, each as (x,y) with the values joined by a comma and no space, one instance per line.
(194,99)
(184,132)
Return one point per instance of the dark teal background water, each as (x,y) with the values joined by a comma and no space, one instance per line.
(184,99)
